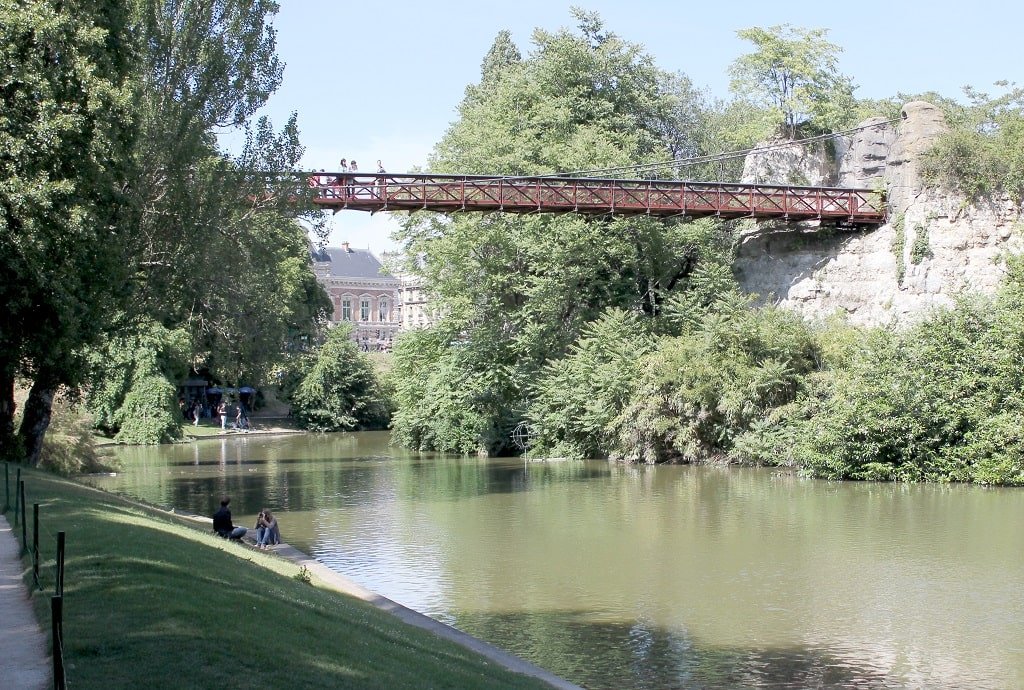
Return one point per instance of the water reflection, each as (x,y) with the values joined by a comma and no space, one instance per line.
(644,577)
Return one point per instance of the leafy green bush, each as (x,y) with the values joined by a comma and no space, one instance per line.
(68,447)
(940,402)
(983,153)
(698,391)
(579,396)
(340,392)
(149,414)
(132,384)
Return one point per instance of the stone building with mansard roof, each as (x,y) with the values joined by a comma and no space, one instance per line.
(362,293)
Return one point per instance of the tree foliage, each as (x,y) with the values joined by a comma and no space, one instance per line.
(218,250)
(516,291)
(578,397)
(697,391)
(340,392)
(66,131)
(794,71)
(983,153)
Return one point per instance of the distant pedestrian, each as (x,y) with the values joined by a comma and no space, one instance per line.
(222,411)
(353,168)
(339,180)
(378,184)
(197,411)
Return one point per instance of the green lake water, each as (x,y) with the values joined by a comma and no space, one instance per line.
(642,577)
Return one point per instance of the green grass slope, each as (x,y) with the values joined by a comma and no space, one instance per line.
(153,602)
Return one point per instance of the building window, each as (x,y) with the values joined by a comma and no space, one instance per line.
(364,310)
(346,310)
(382,309)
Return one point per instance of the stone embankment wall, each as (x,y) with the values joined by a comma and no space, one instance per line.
(934,246)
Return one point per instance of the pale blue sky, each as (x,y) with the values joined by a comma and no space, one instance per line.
(379,79)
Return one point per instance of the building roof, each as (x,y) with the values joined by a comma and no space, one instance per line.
(346,262)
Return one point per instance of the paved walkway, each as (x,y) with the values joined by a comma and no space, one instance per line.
(23,661)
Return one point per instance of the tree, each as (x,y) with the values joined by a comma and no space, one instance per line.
(133,398)
(340,392)
(218,252)
(577,397)
(983,153)
(794,71)
(517,291)
(218,249)
(66,131)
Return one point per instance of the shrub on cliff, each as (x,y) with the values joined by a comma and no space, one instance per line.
(983,153)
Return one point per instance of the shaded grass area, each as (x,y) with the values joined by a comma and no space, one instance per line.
(151,601)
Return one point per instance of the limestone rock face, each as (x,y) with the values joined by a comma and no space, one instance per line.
(878,277)
(935,245)
(921,126)
(862,158)
(790,163)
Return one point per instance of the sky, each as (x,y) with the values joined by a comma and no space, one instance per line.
(382,80)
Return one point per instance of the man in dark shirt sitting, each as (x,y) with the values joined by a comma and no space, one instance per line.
(222,522)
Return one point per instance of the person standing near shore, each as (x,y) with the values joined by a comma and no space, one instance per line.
(222,411)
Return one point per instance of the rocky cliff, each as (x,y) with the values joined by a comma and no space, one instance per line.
(934,246)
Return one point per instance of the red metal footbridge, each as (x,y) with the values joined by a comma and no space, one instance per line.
(593,196)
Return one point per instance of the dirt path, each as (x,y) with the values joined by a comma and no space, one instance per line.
(23,659)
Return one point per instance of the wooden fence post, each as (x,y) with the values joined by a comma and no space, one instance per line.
(57,631)
(17,481)
(59,584)
(24,522)
(35,544)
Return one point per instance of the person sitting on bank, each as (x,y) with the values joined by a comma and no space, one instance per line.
(267,532)
(222,522)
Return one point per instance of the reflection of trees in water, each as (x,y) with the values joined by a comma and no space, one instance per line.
(441,478)
(648,657)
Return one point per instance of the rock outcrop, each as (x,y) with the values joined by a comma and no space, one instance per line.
(862,162)
(790,163)
(922,124)
(934,246)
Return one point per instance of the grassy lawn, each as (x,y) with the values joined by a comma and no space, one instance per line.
(153,602)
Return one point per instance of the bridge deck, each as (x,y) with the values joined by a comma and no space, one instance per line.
(663,198)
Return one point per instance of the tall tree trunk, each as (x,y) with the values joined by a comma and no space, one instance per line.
(36,420)
(8,443)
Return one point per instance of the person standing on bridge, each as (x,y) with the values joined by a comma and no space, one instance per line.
(339,180)
(352,168)
(378,184)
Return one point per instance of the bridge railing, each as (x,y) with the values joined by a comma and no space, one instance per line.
(446,193)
